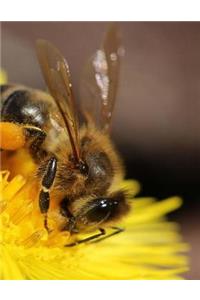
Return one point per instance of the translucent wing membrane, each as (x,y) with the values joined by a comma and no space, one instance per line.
(100,80)
(57,76)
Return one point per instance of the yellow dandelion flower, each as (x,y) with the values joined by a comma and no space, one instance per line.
(149,248)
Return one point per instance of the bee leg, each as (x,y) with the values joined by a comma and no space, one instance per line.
(47,182)
(95,236)
(116,231)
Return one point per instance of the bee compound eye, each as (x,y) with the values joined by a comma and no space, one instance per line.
(101,209)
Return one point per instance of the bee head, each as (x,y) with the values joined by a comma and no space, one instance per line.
(99,211)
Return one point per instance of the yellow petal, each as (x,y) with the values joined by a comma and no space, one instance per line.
(149,248)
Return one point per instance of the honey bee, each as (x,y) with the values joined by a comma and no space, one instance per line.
(77,163)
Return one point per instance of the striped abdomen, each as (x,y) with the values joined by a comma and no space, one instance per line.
(23,105)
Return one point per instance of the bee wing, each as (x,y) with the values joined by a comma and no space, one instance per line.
(57,76)
(100,80)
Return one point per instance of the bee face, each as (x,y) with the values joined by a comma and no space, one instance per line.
(103,210)
(97,212)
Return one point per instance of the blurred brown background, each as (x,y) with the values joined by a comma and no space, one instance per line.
(157,118)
